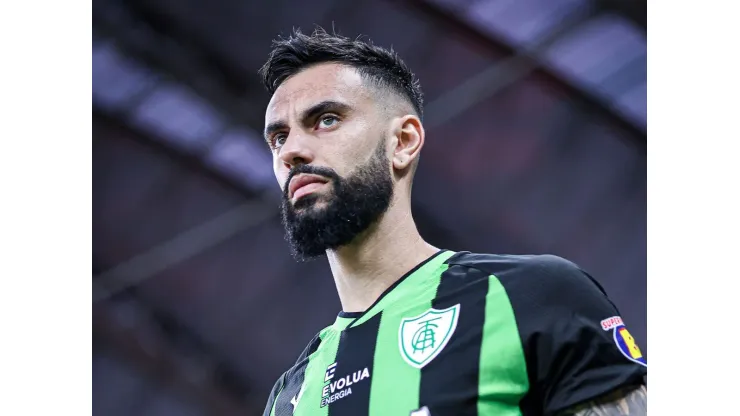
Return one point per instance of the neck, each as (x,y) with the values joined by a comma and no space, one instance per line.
(380,256)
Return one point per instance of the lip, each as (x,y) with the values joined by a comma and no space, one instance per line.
(302,180)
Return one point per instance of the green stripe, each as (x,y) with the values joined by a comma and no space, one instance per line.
(408,286)
(503,377)
(341,323)
(395,383)
(313,381)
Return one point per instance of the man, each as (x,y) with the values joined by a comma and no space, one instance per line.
(423,331)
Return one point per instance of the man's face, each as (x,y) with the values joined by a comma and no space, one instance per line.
(329,156)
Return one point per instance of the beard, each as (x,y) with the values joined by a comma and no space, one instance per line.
(318,222)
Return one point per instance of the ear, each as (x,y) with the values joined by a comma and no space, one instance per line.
(409,134)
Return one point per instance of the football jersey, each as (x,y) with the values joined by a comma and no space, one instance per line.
(467,334)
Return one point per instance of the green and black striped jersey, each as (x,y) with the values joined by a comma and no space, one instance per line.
(467,334)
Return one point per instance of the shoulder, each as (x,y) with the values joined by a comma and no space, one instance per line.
(291,379)
(508,263)
(312,346)
(542,273)
(575,346)
(537,285)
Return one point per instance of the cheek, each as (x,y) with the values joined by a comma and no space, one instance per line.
(349,151)
(281,173)
(342,162)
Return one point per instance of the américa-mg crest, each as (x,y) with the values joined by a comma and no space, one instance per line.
(422,337)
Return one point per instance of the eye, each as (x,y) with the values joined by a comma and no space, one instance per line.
(328,121)
(278,140)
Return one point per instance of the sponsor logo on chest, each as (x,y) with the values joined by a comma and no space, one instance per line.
(339,388)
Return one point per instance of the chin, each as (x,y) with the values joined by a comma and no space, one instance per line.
(310,201)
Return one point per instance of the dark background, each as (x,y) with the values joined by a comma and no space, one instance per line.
(535,119)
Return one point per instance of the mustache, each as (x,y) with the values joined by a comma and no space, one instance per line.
(310,170)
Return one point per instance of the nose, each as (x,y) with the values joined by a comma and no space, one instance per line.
(295,151)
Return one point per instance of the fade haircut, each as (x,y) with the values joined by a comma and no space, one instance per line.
(380,66)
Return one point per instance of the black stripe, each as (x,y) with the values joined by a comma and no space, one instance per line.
(355,353)
(449,383)
(294,380)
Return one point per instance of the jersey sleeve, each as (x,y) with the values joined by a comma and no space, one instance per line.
(576,345)
(273,395)
(289,381)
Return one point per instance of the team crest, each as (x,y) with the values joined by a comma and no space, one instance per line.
(624,340)
(423,337)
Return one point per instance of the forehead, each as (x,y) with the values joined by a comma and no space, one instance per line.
(315,84)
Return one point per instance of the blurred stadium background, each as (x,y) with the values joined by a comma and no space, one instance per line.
(535,118)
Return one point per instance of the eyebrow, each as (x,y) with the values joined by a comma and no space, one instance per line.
(326,106)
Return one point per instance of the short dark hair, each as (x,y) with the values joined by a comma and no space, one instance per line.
(382,66)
